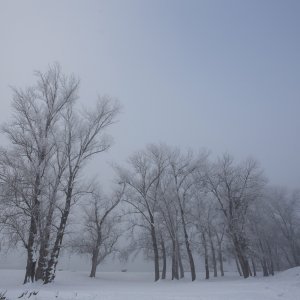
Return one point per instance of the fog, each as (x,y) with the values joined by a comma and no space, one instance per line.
(220,75)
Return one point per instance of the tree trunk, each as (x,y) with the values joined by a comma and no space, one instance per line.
(42,263)
(164,257)
(238,265)
(174,261)
(44,250)
(271,264)
(94,263)
(40,273)
(31,252)
(287,258)
(155,250)
(213,252)
(253,267)
(31,259)
(187,244)
(243,264)
(51,269)
(205,256)
(220,260)
(180,262)
(295,253)
(93,270)
(277,259)
(241,257)
(250,272)
(30,266)
(264,267)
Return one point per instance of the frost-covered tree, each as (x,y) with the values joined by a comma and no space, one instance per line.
(274,230)
(142,179)
(181,169)
(170,224)
(37,111)
(49,143)
(84,136)
(101,230)
(236,187)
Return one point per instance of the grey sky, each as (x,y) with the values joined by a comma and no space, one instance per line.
(224,75)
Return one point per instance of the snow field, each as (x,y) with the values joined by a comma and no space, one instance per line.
(140,286)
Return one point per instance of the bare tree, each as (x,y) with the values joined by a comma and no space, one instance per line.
(142,184)
(49,144)
(200,217)
(274,230)
(236,187)
(284,209)
(53,188)
(36,113)
(84,137)
(220,232)
(182,170)
(170,222)
(101,231)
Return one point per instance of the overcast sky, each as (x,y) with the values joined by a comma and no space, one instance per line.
(224,75)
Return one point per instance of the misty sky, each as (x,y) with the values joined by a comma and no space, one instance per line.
(223,75)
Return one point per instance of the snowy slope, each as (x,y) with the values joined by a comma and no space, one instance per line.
(139,286)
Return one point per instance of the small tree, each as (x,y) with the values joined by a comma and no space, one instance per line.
(101,229)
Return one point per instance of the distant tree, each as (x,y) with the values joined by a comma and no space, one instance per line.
(182,169)
(236,187)
(284,208)
(142,187)
(274,230)
(101,229)
(170,223)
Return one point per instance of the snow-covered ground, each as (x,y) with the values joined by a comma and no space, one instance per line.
(140,286)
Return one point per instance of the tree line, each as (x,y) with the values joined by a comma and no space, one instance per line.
(187,205)
(176,206)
